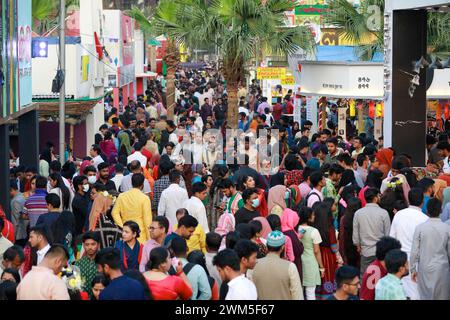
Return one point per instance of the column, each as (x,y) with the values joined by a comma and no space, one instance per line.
(29,139)
(405,116)
(4,169)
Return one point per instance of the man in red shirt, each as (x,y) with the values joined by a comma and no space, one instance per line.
(277,110)
(377,269)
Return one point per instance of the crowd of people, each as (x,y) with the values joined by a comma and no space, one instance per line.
(182,209)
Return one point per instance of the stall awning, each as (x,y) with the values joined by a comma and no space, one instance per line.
(440,87)
(341,79)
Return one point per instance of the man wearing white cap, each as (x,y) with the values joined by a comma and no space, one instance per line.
(274,277)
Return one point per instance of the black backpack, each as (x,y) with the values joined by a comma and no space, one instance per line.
(304,201)
(186,269)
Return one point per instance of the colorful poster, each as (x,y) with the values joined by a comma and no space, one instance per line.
(288,80)
(9,57)
(84,68)
(24,52)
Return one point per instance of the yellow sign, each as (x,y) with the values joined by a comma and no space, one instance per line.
(288,80)
(270,73)
(84,68)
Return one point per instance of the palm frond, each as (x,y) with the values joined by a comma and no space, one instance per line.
(42,9)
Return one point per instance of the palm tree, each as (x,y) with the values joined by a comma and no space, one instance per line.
(240,29)
(45,14)
(352,24)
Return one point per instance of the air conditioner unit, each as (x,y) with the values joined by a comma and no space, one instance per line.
(98,82)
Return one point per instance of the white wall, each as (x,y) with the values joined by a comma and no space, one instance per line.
(44,70)
(138,51)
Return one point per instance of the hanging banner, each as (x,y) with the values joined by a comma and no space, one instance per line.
(342,121)
(270,73)
(378,128)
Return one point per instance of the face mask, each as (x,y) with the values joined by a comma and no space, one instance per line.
(92,179)
(255,203)
(287,194)
(85,187)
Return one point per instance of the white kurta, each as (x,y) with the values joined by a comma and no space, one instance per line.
(430,257)
(171,200)
(196,208)
(402,228)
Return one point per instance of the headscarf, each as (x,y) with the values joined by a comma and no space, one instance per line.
(83,166)
(296,196)
(125,142)
(289,220)
(266,229)
(276,197)
(445,196)
(384,157)
(100,206)
(439,187)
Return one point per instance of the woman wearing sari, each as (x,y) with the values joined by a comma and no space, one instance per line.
(125,146)
(129,247)
(289,225)
(107,145)
(329,250)
(249,182)
(100,221)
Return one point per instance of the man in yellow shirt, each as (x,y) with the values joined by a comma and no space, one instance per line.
(197,241)
(134,205)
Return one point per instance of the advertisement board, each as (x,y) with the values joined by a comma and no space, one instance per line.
(24,51)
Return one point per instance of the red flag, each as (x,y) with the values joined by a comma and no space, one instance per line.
(98,47)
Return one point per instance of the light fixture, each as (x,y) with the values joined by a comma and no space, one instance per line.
(39,48)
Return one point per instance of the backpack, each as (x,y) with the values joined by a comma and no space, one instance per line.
(186,269)
(304,201)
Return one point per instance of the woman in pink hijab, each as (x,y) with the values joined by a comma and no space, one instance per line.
(276,201)
(289,225)
(266,229)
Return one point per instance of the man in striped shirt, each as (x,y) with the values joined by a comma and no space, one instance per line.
(36,205)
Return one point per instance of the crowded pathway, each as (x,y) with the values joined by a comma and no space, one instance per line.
(189,209)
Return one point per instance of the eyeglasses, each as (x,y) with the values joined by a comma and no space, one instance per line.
(153,228)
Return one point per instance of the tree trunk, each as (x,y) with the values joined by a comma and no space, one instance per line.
(233,107)
(170,92)
(172,59)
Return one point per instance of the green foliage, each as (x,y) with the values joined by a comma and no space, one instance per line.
(240,29)
(353,25)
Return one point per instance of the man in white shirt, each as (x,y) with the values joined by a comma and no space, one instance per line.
(38,240)
(239,287)
(137,155)
(95,154)
(172,198)
(195,206)
(317,181)
(118,176)
(403,228)
(126,185)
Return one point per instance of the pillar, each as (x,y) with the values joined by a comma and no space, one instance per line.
(4,169)
(405,117)
(29,139)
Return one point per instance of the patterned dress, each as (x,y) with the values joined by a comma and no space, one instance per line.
(88,270)
(328,253)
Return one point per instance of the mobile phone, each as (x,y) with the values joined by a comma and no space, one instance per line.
(175,262)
